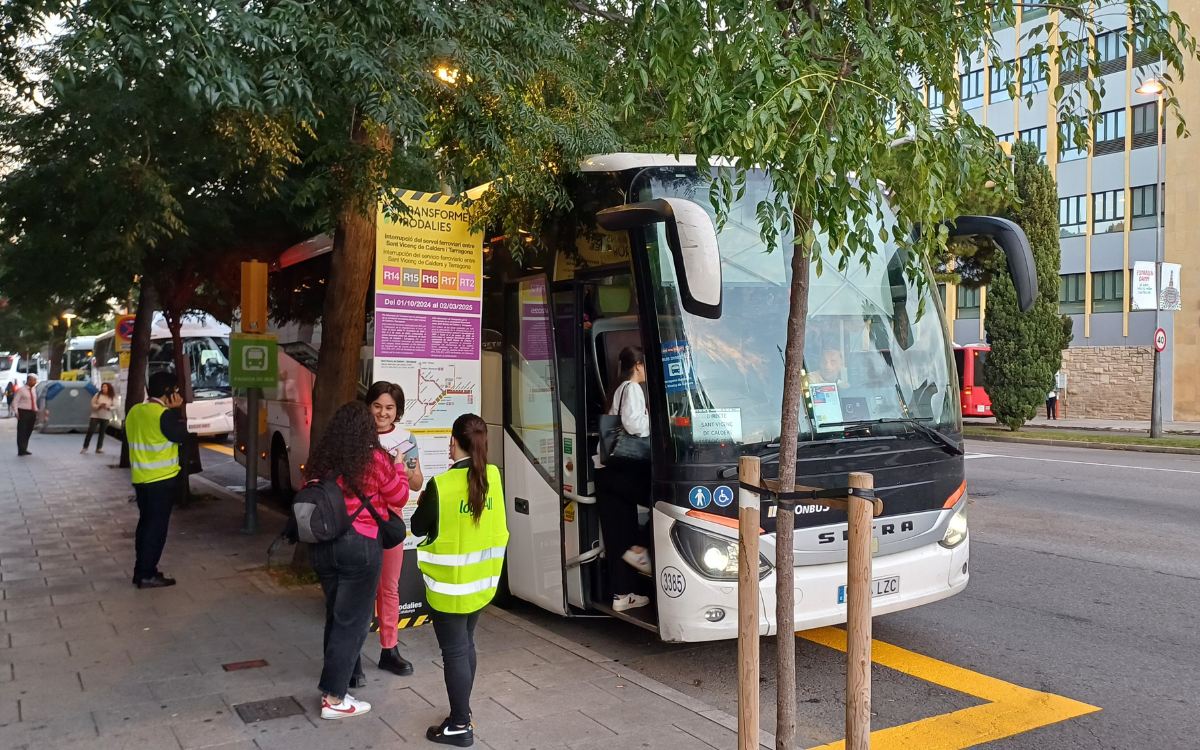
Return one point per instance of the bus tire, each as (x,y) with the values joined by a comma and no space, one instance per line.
(503,597)
(281,470)
(220,437)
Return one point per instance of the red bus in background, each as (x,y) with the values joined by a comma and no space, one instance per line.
(969,362)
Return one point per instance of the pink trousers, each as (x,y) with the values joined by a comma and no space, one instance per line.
(387,600)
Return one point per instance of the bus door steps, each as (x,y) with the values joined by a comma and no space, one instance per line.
(644,617)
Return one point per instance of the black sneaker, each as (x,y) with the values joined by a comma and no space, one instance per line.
(156,581)
(391,660)
(449,734)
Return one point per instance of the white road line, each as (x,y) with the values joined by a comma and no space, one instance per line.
(1081,463)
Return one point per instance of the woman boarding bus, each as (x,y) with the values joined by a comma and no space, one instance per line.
(461,516)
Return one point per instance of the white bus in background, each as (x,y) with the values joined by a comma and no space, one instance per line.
(206,342)
(79,360)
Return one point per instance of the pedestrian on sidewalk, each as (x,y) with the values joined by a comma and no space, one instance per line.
(387,407)
(9,392)
(349,566)
(461,516)
(154,431)
(1052,404)
(25,401)
(102,406)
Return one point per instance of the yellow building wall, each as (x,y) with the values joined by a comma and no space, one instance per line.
(1182,234)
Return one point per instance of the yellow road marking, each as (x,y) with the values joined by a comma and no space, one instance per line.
(218,448)
(1011,709)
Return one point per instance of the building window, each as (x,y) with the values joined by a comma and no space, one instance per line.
(1036,136)
(1004,138)
(1073,67)
(971,84)
(1108,211)
(1033,73)
(968,302)
(1072,216)
(1071,291)
(1142,54)
(942,294)
(999,79)
(1110,52)
(936,98)
(1110,132)
(1032,14)
(1067,149)
(1108,289)
(1144,116)
(1145,207)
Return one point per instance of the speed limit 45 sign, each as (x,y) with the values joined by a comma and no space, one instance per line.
(1160,340)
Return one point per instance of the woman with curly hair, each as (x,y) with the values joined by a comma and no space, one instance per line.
(348,567)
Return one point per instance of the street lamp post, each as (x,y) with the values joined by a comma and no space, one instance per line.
(68,316)
(1155,87)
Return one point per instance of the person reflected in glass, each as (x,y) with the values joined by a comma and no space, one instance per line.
(622,484)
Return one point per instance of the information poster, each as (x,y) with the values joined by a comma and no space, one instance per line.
(1145,286)
(428,309)
(826,406)
(1168,295)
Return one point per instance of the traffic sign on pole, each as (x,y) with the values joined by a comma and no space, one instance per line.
(1160,340)
(253,361)
(124,332)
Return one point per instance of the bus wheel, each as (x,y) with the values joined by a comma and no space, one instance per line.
(220,437)
(281,471)
(504,597)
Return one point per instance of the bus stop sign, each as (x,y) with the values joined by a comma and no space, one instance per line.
(1160,340)
(253,360)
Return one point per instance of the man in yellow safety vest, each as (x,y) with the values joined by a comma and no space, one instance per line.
(153,431)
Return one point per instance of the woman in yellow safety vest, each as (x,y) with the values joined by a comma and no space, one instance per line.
(461,516)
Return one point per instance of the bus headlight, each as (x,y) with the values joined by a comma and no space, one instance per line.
(956,532)
(714,557)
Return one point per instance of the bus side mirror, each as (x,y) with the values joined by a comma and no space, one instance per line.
(692,239)
(1012,240)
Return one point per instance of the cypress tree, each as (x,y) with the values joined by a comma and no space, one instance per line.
(1026,347)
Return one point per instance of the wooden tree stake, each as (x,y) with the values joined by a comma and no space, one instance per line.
(750,472)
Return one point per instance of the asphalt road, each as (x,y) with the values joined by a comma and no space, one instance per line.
(1085,583)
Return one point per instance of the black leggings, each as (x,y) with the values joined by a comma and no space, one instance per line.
(97,426)
(456,637)
(621,486)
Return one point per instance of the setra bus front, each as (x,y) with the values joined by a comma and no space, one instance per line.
(880,396)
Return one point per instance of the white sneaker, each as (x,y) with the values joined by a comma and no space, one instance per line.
(629,601)
(344,710)
(639,560)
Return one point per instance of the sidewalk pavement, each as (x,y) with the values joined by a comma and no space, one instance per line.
(1105,425)
(89,661)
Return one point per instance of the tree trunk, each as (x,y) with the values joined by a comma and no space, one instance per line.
(58,347)
(190,450)
(139,353)
(793,392)
(344,316)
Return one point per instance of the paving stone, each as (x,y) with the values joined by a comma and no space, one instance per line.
(211,732)
(548,702)
(560,730)
(162,713)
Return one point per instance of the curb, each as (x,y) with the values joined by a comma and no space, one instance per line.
(1084,444)
(1107,430)
(765,739)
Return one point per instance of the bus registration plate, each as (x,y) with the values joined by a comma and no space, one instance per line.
(879,587)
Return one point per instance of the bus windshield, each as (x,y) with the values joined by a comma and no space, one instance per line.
(875,350)
(77,359)
(209,357)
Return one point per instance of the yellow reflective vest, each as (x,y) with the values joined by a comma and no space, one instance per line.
(152,456)
(462,565)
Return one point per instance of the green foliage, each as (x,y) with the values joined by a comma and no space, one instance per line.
(816,93)
(1026,347)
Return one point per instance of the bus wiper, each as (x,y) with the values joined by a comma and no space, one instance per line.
(943,442)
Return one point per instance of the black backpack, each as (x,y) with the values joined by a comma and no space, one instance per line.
(319,510)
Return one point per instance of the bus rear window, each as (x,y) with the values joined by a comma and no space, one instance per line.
(959,361)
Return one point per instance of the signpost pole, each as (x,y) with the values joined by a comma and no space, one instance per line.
(858,615)
(261,361)
(749,472)
(250,518)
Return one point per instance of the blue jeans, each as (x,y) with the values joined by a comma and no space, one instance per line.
(348,568)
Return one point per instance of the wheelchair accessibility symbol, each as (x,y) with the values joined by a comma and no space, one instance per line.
(723,496)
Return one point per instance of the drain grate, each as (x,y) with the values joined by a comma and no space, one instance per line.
(272,708)
(235,666)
